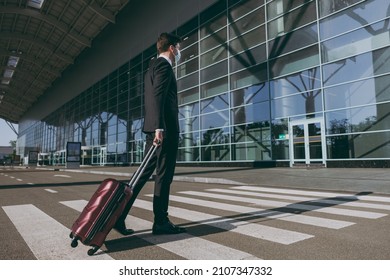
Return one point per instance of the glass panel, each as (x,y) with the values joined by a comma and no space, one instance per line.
(315,143)
(357,67)
(189,110)
(359,93)
(259,132)
(248,58)
(294,62)
(189,139)
(294,40)
(188,81)
(362,119)
(247,23)
(189,124)
(364,146)
(214,72)
(249,76)
(359,41)
(279,7)
(251,94)
(215,40)
(216,16)
(280,141)
(251,151)
(189,95)
(247,41)
(243,8)
(251,113)
(293,20)
(300,104)
(218,119)
(299,142)
(216,153)
(214,87)
(216,103)
(189,62)
(299,82)
(188,154)
(367,12)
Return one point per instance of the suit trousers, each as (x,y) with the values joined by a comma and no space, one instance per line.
(164,163)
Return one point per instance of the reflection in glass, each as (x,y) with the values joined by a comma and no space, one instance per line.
(365,13)
(250,76)
(248,58)
(246,23)
(357,67)
(315,141)
(299,104)
(359,41)
(308,80)
(251,94)
(299,142)
(297,61)
(363,92)
(214,87)
(355,146)
(217,119)
(292,20)
(214,104)
(298,39)
(359,119)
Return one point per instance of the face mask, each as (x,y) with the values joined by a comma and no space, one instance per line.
(177,56)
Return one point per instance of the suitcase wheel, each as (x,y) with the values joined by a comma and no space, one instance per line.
(74,242)
(93,250)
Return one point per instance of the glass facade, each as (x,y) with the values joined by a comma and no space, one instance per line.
(291,81)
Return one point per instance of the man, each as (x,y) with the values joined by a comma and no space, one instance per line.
(161,126)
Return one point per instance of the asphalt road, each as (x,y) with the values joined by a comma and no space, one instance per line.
(38,207)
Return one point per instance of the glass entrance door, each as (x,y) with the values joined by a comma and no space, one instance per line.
(103,156)
(307,142)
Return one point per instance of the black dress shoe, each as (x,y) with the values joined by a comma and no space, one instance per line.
(121,228)
(167,228)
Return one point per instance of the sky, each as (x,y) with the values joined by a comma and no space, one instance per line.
(6,133)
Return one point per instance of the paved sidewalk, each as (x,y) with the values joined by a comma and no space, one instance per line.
(336,179)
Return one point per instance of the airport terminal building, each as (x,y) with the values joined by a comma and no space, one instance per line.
(260,82)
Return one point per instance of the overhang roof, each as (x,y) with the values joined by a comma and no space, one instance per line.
(38,43)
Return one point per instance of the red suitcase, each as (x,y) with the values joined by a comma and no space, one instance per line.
(104,208)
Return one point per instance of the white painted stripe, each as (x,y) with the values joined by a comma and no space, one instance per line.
(30,183)
(188,246)
(64,176)
(47,238)
(268,233)
(20,180)
(298,206)
(184,245)
(262,213)
(348,200)
(51,191)
(311,193)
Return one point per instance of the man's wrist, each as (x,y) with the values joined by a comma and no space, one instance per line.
(159,130)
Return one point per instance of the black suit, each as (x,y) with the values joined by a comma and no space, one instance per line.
(161,112)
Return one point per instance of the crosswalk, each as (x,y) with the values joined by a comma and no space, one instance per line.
(242,211)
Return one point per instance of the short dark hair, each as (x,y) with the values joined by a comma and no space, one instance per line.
(165,40)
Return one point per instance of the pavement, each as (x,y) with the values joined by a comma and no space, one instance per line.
(376,180)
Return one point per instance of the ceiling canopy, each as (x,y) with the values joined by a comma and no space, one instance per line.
(39,39)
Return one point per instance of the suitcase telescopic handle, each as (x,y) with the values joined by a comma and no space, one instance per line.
(134,179)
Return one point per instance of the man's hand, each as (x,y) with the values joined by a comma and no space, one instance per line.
(158,137)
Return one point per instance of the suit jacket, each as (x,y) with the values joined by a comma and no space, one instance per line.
(161,106)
